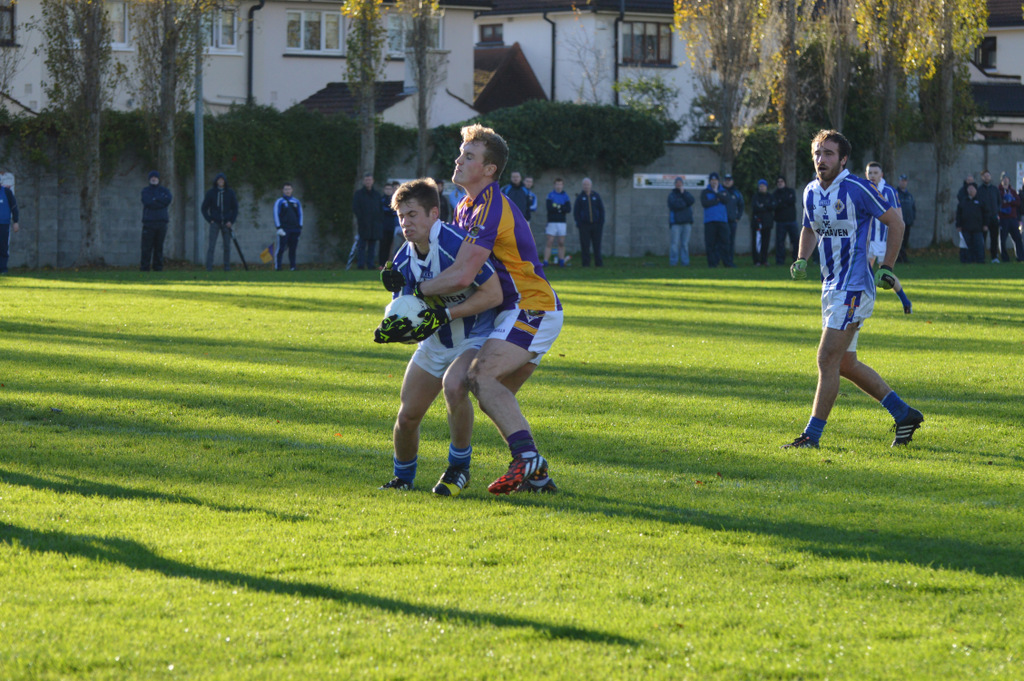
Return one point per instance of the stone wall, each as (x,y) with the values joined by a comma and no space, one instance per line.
(636,226)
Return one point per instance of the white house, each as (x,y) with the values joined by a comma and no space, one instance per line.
(276,52)
(577,51)
(996,73)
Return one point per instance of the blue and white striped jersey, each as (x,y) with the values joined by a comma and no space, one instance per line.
(445,241)
(878,230)
(841,217)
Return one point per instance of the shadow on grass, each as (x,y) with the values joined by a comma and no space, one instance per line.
(88,488)
(136,556)
(829,541)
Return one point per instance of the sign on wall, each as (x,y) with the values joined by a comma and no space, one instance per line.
(655,181)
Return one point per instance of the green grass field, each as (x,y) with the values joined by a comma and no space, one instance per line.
(189,465)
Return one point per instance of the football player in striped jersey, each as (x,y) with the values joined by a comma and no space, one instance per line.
(838,210)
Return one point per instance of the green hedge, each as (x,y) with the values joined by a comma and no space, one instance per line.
(545,135)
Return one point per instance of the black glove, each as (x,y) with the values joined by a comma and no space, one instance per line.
(393,330)
(391,278)
(433,319)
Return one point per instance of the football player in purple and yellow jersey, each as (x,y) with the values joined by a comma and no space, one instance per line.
(530,316)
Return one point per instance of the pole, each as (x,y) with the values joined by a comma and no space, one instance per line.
(200,167)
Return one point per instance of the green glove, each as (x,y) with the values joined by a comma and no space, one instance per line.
(393,330)
(798,270)
(433,319)
(884,277)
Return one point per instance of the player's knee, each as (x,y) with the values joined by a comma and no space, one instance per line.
(407,421)
(455,389)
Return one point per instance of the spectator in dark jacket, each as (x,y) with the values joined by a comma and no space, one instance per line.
(680,224)
(288,221)
(155,200)
(785,221)
(391,228)
(220,209)
(559,206)
(761,221)
(518,194)
(972,223)
(734,208)
(1009,219)
(445,210)
(8,225)
(367,208)
(988,195)
(588,211)
(716,223)
(909,205)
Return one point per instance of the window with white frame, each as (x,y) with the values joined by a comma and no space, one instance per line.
(646,42)
(222,30)
(399,26)
(117,16)
(314,31)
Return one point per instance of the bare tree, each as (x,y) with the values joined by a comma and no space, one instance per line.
(81,77)
(364,65)
(836,31)
(724,42)
(429,66)
(956,27)
(165,49)
(591,62)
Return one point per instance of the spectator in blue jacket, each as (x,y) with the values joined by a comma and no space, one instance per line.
(716,223)
(734,208)
(680,224)
(155,200)
(588,211)
(559,207)
(8,225)
(220,209)
(288,221)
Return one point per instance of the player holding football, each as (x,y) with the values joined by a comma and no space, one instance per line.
(462,322)
(838,209)
(530,315)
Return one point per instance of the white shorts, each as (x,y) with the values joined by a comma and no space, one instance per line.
(842,309)
(555,229)
(435,359)
(533,330)
(876,249)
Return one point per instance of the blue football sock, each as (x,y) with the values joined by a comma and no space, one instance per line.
(897,407)
(459,458)
(406,470)
(522,445)
(815,427)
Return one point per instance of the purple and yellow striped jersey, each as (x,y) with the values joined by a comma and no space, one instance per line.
(879,231)
(492,222)
(841,216)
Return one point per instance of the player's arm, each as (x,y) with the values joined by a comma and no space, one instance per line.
(488,295)
(460,274)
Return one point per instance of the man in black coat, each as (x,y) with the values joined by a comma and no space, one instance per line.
(988,195)
(220,209)
(368,208)
(761,221)
(155,200)
(785,220)
(972,223)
